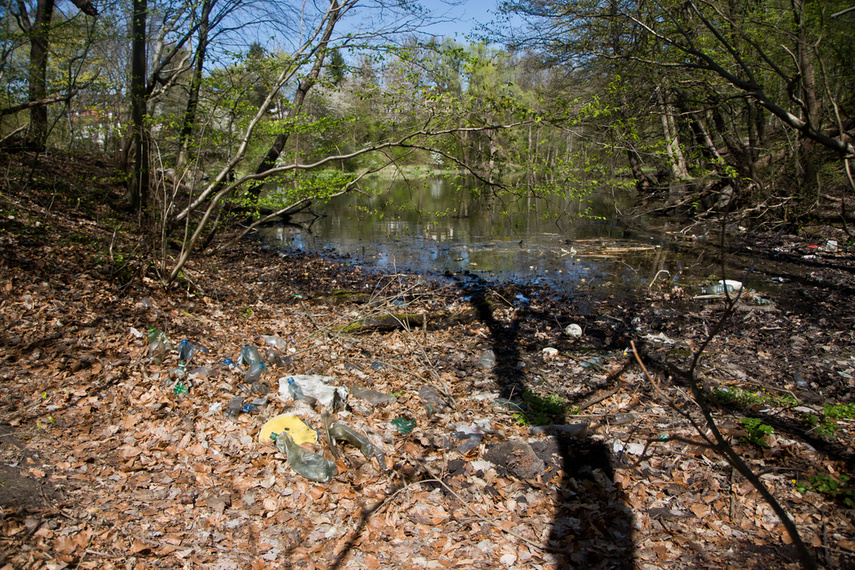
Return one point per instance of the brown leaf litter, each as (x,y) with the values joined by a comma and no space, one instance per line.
(103,465)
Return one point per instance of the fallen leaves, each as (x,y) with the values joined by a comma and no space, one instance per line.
(149,478)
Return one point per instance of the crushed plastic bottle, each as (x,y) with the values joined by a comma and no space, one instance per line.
(470,441)
(487,360)
(202,372)
(273,358)
(235,407)
(297,392)
(310,465)
(718,288)
(403,425)
(593,362)
(254,372)
(259,388)
(187,349)
(373,397)
(341,432)
(275,341)
(158,345)
(511,405)
(248,356)
(579,430)
(432,400)
(180,372)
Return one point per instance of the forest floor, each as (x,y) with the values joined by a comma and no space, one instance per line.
(104,465)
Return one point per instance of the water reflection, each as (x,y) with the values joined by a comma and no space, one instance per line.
(450,223)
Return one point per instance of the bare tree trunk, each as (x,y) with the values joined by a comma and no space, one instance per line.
(679,186)
(672,142)
(808,101)
(643,183)
(39,42)
(137,194)
(195,84)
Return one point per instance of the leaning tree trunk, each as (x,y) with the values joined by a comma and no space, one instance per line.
(196,82)
(269,160)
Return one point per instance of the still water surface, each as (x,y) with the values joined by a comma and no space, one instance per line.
(447,224)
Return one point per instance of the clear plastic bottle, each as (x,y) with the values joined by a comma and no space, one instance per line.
(180,372)
(235,407)
(310,465)
(158,345)
(254,372)
(274,358)
(187,349)
(248,356)
(341,432)
(297,392)
(154,334)
(275,341)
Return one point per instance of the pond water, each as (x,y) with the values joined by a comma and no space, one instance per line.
(443,224)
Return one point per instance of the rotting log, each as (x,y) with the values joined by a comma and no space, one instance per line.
(400,321)
(341,297)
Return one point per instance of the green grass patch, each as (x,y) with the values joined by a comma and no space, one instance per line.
(838,488)
(735,397)
(541,411)
(755,432)
(826,423)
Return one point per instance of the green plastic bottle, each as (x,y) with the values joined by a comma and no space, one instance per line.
(310,465)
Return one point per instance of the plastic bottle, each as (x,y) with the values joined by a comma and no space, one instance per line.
(158,344)
(342,432)
(259,388)
(373,397)
(230,364)
(297,392)
(203,372)
(179,372)
(187,348)
(275,341)
(154,334)
(249,356)
(274,358)
(235,407)
(312,466)
(718,288)
(254,372)
(471,441)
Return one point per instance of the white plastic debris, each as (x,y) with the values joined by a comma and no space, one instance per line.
(574,331)
(316,386)
(631,448)
(659,338)
(718,288)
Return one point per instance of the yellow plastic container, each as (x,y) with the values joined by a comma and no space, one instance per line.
(296,428)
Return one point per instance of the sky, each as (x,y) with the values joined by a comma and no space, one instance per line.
(462,18)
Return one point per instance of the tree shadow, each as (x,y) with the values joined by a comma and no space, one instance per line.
(592,526)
